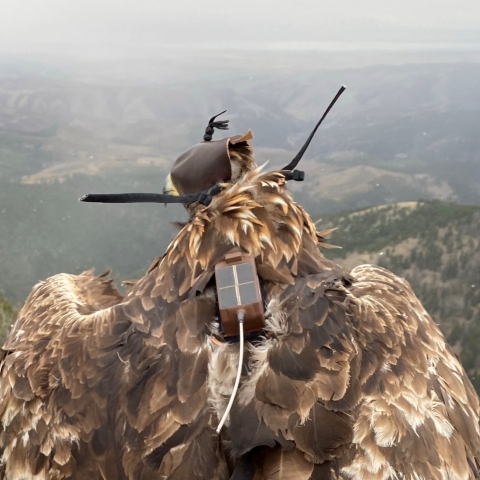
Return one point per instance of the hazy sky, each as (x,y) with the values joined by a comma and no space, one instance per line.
(116,25)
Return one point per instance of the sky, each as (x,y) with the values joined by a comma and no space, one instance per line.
(75,27)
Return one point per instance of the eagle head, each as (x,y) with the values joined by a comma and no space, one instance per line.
(210,162)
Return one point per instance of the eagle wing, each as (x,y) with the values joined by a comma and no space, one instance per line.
(52,399)
(419,413)
(96,386)
(356,382)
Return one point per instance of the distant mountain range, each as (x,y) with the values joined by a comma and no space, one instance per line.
(409,128)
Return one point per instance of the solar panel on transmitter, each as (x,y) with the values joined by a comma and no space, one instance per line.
(238,289)
(236,285)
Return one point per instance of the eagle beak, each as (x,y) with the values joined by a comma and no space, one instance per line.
(169,187)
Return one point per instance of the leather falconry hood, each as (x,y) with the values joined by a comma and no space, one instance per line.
(205,164)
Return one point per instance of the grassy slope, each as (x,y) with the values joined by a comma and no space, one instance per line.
(45,230)
(7,317)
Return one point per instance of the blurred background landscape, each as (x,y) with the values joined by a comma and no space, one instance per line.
(92,100)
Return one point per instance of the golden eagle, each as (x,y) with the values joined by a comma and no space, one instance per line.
(349,377)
